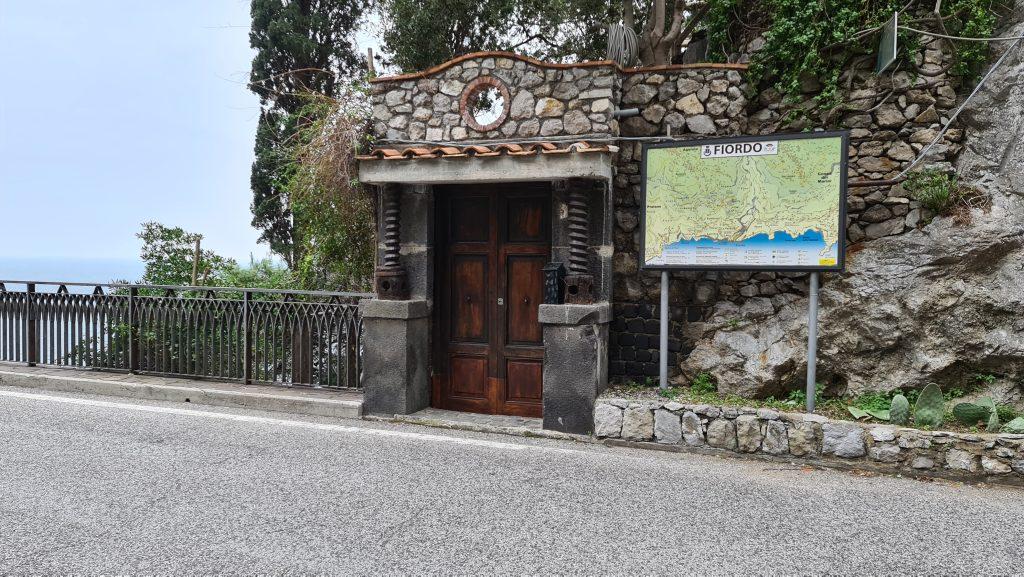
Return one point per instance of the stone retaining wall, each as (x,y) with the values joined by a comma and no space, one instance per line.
(814,438)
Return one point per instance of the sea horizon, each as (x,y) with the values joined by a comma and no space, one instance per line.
(71,269)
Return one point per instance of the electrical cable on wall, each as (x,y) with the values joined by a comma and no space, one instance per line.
(924,151)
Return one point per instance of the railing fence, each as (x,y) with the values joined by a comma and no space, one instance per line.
(249,335)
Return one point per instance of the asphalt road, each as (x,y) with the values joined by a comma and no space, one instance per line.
(91,485)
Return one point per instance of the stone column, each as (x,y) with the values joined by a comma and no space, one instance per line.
(396,325)
(575,364)
(396,363)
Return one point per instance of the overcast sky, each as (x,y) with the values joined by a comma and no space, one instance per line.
(114,112)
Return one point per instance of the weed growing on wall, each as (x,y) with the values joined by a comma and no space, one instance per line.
(942,193)
(935,189)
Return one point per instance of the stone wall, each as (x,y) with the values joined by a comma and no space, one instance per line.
(814,439)
(891,118)
(687,103)
(939,303)
(546,100)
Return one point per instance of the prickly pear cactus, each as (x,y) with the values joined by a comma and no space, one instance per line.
(970,413)
(993,416)
(993,423)
(899,410)
(1015,426)
(931,407)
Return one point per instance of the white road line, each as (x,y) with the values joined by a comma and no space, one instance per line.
(284,422)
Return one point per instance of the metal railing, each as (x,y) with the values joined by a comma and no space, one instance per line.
(250,335)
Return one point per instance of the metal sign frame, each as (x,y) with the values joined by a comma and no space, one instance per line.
(840,265)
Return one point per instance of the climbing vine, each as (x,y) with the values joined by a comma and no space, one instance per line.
(817,40)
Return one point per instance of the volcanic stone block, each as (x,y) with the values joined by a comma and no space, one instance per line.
(396,359)
(575,364)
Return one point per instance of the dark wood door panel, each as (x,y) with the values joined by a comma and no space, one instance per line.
(469,299)
(523,380)
(525,292)
(527,219)
(470,218)
(468,377)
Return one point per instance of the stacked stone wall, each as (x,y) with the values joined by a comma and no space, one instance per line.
(891,117)
(545,102)
(815,439)
(688,103)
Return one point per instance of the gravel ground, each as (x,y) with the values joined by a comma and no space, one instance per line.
(91,485)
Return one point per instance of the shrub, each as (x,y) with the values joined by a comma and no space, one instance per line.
(703,384)
(936,190)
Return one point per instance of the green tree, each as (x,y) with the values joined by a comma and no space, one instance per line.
(169,252)
(302,46)
(419,34)
(259,273)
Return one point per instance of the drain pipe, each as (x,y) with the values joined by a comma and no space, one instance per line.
(625,112)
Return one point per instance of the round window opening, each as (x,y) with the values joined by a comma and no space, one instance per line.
(485,103)
(487,106)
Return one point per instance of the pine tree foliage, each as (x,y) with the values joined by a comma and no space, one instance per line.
(302,46)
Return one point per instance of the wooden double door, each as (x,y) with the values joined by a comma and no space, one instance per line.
(493,244)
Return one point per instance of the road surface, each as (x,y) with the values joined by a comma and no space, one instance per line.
(94,485)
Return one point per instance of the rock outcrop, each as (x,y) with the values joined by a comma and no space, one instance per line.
(941,303)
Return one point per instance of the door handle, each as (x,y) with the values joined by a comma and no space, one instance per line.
(501,302)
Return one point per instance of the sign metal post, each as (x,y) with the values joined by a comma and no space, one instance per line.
(663,336)
(812,342)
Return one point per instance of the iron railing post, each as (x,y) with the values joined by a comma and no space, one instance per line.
(247,338)
(133,344)
(31,326)
(352,353)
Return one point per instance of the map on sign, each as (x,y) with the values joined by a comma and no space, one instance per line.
(759,203)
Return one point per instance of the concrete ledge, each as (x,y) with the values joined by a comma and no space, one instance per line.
(387,309)
(541,167)
(575,314)
(467,424)
(219,395)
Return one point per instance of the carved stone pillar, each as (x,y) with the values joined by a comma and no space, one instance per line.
(390,277)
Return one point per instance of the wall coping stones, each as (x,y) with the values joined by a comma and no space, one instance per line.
(811,438)
(550,314)
(554,65)
(390,309)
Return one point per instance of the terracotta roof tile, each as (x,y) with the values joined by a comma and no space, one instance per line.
(511,149)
